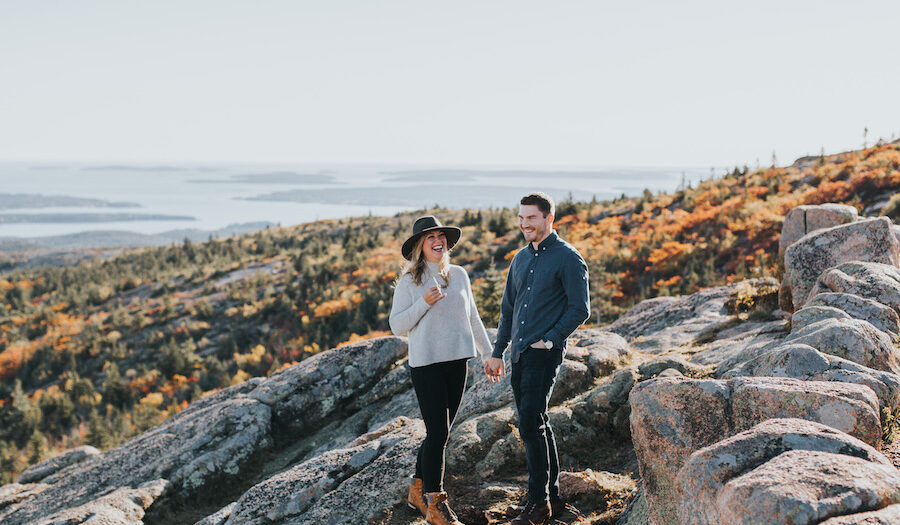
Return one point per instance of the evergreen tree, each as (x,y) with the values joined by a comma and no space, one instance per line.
(489,295)
(98,432)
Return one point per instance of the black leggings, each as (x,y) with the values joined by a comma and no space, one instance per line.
(439,389)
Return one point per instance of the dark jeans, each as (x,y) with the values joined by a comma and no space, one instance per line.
(439,388)
(532,381)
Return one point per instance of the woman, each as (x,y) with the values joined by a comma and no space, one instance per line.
(433,302)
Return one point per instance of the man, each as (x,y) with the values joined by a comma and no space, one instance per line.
(544,301)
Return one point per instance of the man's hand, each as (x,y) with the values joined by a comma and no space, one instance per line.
(539,344)
(493,369)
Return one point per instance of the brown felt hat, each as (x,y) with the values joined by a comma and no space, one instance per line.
(426,224)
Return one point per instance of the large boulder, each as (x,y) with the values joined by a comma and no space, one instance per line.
(673,417)
(804,362)
(813,314)
(365,478)
(808,218)
(867,240)
(846,407)
(804,487)
(878,282)
(851,339)
(706,473)
(670,419)
(878,315)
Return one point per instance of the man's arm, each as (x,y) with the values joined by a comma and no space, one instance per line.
(578,303)
(506,313)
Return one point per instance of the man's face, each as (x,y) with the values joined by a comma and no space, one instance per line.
(533,223)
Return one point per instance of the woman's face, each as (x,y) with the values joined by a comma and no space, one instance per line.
(435,246)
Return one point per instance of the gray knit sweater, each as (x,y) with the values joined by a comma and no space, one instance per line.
(449,329)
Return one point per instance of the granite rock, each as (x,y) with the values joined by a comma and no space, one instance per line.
(867,240)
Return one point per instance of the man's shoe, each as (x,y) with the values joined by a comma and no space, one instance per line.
(439,511)
(557,508)
(533,514)
(416,497)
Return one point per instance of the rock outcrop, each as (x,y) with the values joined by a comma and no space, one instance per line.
(801,361)
(673,417)
(659,324)
(866,240)
(880,316)
(212,440)
(843,285)
(713,476)
(805,219)
(875,281)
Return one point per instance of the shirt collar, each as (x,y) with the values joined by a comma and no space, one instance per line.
(546,243)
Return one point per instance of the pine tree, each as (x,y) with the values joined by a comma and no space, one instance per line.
(489,295)
(98,432)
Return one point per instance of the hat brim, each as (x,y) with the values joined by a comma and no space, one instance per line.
(453,233)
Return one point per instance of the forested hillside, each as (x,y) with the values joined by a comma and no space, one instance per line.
(98,352)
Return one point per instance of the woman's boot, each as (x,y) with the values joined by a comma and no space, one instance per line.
(416,497)
(439,512)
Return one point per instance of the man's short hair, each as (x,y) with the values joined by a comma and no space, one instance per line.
(542,201)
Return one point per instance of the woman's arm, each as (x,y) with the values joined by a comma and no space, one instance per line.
(406,309)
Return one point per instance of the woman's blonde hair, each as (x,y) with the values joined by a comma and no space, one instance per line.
(417,264)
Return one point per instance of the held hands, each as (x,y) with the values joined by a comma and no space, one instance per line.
(493,369)
(434,295)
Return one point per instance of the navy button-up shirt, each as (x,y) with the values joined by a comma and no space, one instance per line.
(545,299)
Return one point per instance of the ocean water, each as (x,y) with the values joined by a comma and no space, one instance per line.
(210,197)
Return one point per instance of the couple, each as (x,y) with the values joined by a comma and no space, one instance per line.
(545,300)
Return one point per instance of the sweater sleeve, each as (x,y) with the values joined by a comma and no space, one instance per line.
(482,341)
(406,310)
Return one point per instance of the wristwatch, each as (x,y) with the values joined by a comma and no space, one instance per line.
(548,344)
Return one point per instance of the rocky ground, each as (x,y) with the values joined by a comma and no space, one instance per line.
(694,409)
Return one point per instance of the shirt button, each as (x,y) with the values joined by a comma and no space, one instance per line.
(520,339)
(526,306)
(523,322)
(529,288)
(535,255)
(531,271)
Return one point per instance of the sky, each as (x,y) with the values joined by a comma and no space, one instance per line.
(478,83)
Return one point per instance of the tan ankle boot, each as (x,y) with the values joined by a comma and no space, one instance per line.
(416,497)
(439,512)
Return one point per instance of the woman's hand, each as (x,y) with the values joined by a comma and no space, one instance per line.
(434,295)
(493,369)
